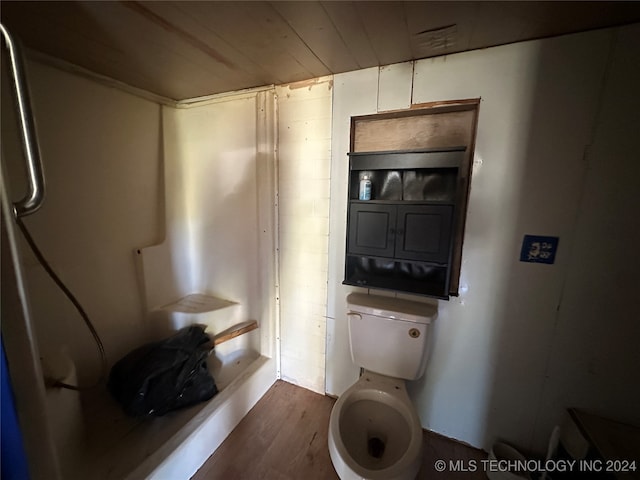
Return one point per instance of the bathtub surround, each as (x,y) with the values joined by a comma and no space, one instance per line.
(137,222)
(555,156)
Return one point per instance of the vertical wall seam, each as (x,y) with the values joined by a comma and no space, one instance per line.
(276,231)
(413,76)
(326,297)
(378,91)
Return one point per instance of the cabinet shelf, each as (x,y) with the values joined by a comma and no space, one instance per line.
(405,202)
(394,159)
(408,261)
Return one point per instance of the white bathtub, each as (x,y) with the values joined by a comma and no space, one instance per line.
(95,439)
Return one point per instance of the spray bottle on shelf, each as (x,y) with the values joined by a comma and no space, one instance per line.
(365,188)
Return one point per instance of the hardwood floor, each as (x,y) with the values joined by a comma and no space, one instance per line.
(284,437)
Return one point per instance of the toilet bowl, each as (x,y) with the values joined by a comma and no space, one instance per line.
(374,431)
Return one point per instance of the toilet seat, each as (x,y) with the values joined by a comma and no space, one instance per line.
(375,432)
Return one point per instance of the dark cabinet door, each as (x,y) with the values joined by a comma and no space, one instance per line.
(372,229)
(424,232)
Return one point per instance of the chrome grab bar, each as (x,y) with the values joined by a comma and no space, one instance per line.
(32,201)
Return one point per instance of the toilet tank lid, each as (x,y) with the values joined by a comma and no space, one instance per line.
(390,307)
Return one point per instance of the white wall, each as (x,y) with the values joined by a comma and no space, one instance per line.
(496,344)
(304,159)
(124,173)
(594,357)
(354,93)
(218,188)
(102,162)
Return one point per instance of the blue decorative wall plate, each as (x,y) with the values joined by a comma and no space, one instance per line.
(537,249)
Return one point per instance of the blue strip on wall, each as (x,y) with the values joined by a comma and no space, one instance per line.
(14,461)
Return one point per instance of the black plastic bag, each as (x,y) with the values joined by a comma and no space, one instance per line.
(163,376)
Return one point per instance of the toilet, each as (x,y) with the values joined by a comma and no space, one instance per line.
(374,430)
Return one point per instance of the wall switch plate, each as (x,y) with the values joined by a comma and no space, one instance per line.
(538,249)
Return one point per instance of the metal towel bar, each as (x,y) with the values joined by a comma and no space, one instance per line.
(32,201)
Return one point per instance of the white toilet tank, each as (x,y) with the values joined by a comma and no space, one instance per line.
(389,335)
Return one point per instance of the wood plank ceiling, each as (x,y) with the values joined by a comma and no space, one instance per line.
(184,49)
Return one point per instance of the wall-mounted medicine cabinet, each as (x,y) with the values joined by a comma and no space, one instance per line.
(406,236)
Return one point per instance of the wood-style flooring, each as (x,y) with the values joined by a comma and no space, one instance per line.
(284,437)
